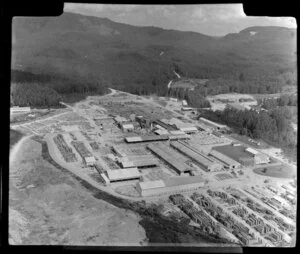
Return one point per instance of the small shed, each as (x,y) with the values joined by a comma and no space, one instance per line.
(90,160)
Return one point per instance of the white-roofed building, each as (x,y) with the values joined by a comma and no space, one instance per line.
(251,151)
(149,187)
(105,179)
(120,119)
(161,132)
(133,139)
(18,109)
(170,186)
(126,163)
(184,127)
(259,158)
(177,132)
(127,126)
(123,174)
(186,109)
(188,129)
(89,160)
(184,103)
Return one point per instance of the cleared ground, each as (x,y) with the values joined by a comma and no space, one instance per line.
(276,171)
(48,206)
(218,102)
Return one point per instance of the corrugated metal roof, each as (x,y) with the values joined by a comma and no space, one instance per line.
(125,173)
(151,184)
(192,153)
(170,156)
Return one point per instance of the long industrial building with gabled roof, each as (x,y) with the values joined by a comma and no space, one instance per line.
(138,139)
(201,159)
(170,186)
(171,157)
(227,161)
(134,157)
(123,174)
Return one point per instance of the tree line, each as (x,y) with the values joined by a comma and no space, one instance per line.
(272,126)
(34,95)
(30,89)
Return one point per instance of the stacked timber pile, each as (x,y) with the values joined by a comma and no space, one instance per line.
(65,150)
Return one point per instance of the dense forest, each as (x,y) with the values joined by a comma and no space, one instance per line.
(32,94)
(142,60)
(40,90)
(273,126)
(283,100)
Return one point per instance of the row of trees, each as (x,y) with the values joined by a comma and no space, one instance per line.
(273,126)
(217,86)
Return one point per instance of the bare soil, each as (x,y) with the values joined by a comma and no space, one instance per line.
(48,206)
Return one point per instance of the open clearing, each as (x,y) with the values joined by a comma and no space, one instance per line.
(218,102)
(276,171)
(48,206)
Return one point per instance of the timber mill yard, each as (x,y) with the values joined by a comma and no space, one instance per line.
(139,148)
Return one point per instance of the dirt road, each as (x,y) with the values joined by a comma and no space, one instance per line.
(15,149)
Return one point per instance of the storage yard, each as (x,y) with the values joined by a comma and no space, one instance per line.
(134,148)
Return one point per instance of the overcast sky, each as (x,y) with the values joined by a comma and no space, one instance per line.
(216,19)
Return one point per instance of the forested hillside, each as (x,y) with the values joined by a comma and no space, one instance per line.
(80,54)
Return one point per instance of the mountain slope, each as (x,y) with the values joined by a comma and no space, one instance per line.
(77,47)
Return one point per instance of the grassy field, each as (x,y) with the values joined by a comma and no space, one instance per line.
(234,152)
(14,137)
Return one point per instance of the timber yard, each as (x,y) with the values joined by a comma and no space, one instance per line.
(134,148)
